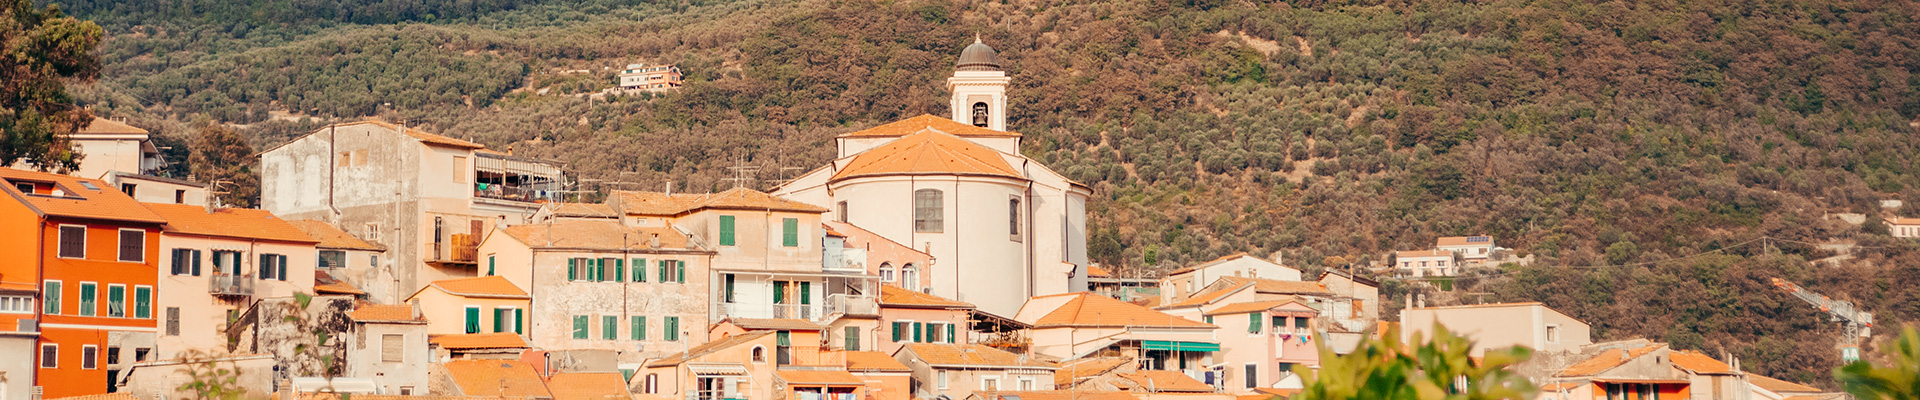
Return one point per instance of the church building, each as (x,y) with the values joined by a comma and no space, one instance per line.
(1000,226)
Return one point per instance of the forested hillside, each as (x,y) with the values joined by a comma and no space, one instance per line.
(1635,148)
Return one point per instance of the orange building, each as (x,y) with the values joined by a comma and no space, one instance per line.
(94,252)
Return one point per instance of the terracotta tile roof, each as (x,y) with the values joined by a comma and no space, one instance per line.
(1058,395)
(1090,310)
(1699,363)
(600,235)
(1903,221)
(1074,371)
(1779,386)
(1462,240)
(1213,262)
(102,202)
(928,153)
(1257,397)
(775,324)
(1555,387)
(509,378)
(1273,286)
(1167,381)
(1422,253)
(873,361)
(470,341)
(368,312)
(1606,360)
(108,126)
(708,348)
(1278,392)
(855,231)
(102,396)
(813,377)
(1207,297)
(925,122)
(591,210)
(324,282)
(588,386)
(972,355)
(486,286)
(897,297)
(1094,271)
(357,396)
(423,136)
(1249,307)
(331,237)
(655,203)
(1488,305)
(239,223)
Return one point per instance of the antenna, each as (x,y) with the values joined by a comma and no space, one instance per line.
(742,173)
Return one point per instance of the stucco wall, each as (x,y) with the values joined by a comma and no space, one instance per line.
(364,357)
(1498,326)
(446,313)
(203,316)
(557,301)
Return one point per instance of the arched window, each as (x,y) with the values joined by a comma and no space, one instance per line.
(980,117)
(759,354)
(927,212)
(910,277)
(886,272)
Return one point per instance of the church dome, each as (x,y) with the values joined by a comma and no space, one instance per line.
(978,57)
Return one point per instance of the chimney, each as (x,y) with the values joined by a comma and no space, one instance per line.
(1422,303)
(654,242)
(415,304)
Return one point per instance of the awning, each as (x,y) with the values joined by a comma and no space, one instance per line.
(1178,346)
(1643,380)
(717,369)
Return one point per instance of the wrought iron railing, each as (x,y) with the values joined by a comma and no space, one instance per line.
(230,285)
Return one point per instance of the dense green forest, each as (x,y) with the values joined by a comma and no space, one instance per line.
(1635,148)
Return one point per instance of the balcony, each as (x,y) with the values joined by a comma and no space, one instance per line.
(514,193)
(810,312)
(461,248)
(230,285)
(852,304)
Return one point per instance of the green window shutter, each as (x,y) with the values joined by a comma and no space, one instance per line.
(116,301)
(572,269)
(579,327)
(673,329)
(499,320)
(600,270)
(490,266)
(639,328)
(790,232)
(519,318)
(620,270)
(143,302)
(919,334)
(896,331)
(282,261)
(779,292)
(853,338)
(950,331)
(639,270)
(1253,322)
(663,271)
(196,262)
(1207,319)
(1278,322)
(52,299)
(87,306)
(473,320)
(680,275)
(726,230)
(783,338)
(610,327)
(806,293)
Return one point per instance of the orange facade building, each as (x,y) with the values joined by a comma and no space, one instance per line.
(89,253)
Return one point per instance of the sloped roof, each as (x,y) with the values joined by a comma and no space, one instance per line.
(1074,371)
(1699,363)
(324,282)
(1606,360)
(1779,386)
(238,223)
(1275,286)
(1248,307)
(108,126)
(1422,253)
(972,355)
(873,361)
(776,324)
(897,297)
(602,235)
(1209,263)
(588,386)
(101,202)
(591,210)
(1094,271)
(928,153)
(925,122)
(368,312)
(1090,310)
(1207,297)
(1903,221)
(656,203)
(1059,395)
(708,348)
(102,396)
(510,378)
(471,341)
(486,286)
(422,136)
(332,237)
(817,377)
(1167,381)
(1463,240)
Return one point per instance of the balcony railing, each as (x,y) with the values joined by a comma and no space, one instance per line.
(230,285)
(809,312)
(850,304)
(462,248)
(515,193)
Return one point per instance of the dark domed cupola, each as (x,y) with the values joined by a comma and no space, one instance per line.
(978,57)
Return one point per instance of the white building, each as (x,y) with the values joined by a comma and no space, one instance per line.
(1183,282)
(1499,326)
(1424,263)
(1904,227)
(1008,227)
(656,78)
(157,189)
(110,145)
(1476,248)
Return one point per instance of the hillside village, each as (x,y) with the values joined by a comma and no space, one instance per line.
(929,259)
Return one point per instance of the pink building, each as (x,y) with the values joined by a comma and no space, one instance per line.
(1262,341)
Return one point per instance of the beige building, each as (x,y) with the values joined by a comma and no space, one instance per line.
(473,305)
(958,370)
(1425,263)
(1494,326)
(156,189)
(641,292)
(112,145)
(1002,226)
(389,347)
(1472,248)
(215,263)
(1904,227)
(341,254)
(1176,286)
(1355,304)
(650,78)
(1074,325)
(424,197)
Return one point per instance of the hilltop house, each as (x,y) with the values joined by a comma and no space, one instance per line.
(1182,283)
(655,78)
(1904,227)
(1471,248)
(1425,263)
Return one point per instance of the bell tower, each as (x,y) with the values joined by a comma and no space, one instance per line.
(979,88)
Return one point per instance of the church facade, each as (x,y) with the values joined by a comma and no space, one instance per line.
(1000,226)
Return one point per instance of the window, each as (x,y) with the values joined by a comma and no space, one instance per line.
(459,169)
(1026,383)
(910,277)
(652,384)
(1253,376)
(373,260)
(273,267)
(609,327)
(180,196)
(473,319)
(333,259)
(73,241)
(639,328)
(853,338)
(579,327)
(406,390)
(784,339)
(942,382)
(1013,218)
(143,302)
(503,320)
(672,332)
(1300,324)
(226,262)
(88,292)
(49,355)
(900,329)
(51,292)
(186,262)
(127,188)
(841,214)
(393,348)
(173,321)
(113,355)
(89,357)
(989,384)
(491,261)
(759,354)
(581,269)
(886,272)
(372,231)
(133,245)
(16,304)
(673,271)
(519,321)
(934,334)
(1553,333)
(726,230)
(790,232)
(1253,323)
(639,270)
(927,215)
(140,354)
